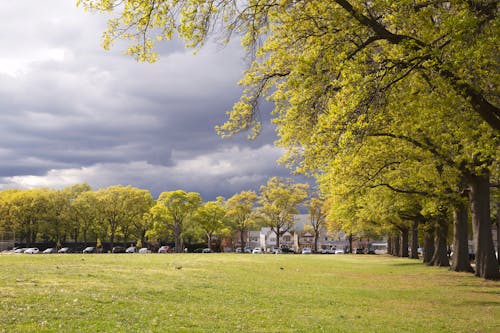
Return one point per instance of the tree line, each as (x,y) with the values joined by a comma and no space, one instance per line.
(128,214)
(392,105)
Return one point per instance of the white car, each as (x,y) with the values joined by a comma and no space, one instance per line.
(131,249)
(307,250)
(339,251)
(276,251)
(89,249)
(257,250)
(144,250)
(32,250)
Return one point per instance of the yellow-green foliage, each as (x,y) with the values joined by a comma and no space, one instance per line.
(401,94)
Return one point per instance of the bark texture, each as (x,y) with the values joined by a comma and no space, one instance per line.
(460,258)
(486,261)
(440,257)
(403,251)
(429,242)
(414,239)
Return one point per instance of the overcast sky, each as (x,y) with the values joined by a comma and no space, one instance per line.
(71,112)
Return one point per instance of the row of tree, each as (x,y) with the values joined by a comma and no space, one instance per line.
(392,105)
(125,213)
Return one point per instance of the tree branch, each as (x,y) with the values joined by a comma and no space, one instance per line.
(428,145)
(398,190)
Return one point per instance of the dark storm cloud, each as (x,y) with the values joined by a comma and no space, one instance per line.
(72,112)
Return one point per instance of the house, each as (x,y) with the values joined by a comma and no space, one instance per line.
(296,238)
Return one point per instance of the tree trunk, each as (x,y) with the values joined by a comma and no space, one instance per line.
(316,237)
(242,240)
(429,242)
(440,257)
(143,237)
(460,259)
(75,235)
(396,246)
(486,262)
(498,232)
(209,241)
(389,245)
(278,238)
(414,240)
(404,243)
(177,235)
(350,242)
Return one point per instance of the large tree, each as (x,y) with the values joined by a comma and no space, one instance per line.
(210,218)
(240,214)
(119,207)
(317,217)
(178,207)
(84,212)
(279,202)
(341,71)
(75,215)
(27,212)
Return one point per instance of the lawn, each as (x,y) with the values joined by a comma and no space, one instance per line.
(240,293)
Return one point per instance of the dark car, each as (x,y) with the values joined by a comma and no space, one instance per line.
(287,250)
(118,249)
(198,250)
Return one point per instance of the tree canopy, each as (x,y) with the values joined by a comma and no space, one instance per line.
(371,97)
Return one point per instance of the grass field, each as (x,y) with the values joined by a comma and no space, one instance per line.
(240,293)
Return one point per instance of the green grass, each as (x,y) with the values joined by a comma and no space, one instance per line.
(240,293)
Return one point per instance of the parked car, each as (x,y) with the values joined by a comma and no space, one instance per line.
(371,250)
(20,250)
(32,250)
(206,250)
(144,250)
(359,251)
(89,249)
(198,250)
(131,249)
(276,250)
(50,250)
(285,249)
(339,251)
(64,250)
(165,249)
(257,250)
(118,249)
(307,250)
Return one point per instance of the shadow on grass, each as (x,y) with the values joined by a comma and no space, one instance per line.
(407,264)
(494,292)
(481,303)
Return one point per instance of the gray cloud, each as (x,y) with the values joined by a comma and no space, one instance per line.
(72,112)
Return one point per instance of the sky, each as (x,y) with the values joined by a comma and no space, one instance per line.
(71,112)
